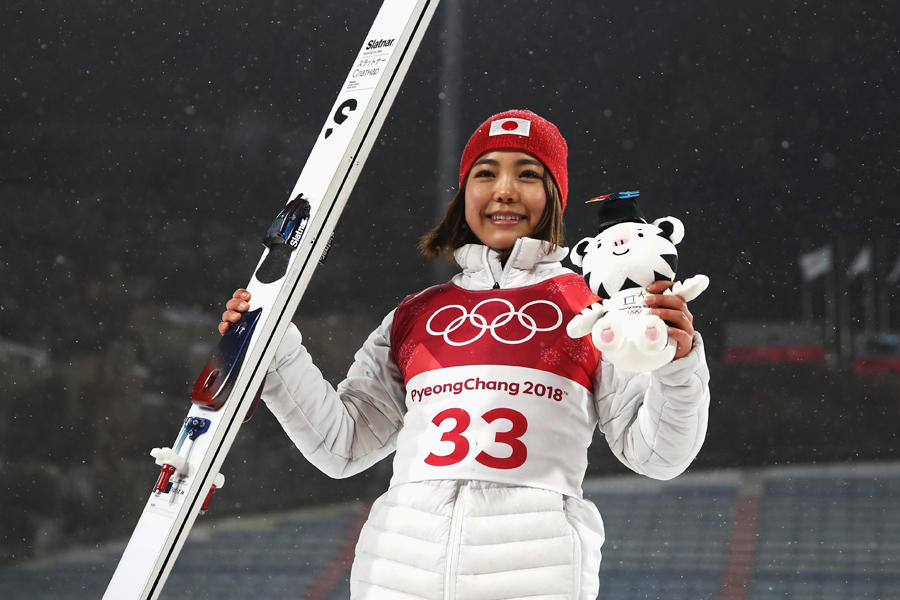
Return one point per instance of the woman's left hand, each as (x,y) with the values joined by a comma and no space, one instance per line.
(672,309)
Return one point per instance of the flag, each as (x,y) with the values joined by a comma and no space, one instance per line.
(510,126)
(894,276)
(816,263)
(861,264)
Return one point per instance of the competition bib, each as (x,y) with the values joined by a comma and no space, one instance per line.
(496,390)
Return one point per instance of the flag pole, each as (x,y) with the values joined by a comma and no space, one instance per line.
(806,301)
(842,297)
(869,299)
(884,307)
(831,313)
(449,118)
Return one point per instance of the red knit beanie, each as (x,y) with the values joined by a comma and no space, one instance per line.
(525,131)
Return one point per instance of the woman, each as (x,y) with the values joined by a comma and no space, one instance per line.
(487,402)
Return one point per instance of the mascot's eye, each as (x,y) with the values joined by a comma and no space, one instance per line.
(640,234)
(599,243)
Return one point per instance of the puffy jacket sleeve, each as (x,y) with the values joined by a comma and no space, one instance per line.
(655,422)
(342,431)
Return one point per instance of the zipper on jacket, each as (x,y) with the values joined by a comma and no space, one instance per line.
(489,268)
(508,266)
(456,523)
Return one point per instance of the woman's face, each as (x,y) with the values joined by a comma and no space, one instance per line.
(505,197)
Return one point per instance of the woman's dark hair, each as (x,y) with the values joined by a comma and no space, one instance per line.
(453,232)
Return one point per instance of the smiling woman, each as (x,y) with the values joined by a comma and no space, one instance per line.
(486,401)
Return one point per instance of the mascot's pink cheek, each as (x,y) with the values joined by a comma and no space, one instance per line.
(652,334)
(607,336)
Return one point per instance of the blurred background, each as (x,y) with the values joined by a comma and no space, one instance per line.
(146,147)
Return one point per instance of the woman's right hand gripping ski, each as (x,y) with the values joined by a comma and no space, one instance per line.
(239,304)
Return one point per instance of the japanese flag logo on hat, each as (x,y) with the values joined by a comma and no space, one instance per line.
(510,127)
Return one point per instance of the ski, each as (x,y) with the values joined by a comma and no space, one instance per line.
(227,390)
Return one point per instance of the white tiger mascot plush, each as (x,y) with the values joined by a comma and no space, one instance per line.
(618,264)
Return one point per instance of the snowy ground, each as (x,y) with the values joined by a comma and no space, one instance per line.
(811,533)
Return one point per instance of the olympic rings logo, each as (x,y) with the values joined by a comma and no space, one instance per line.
(481,323)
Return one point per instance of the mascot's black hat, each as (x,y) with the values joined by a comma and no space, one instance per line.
(618,208)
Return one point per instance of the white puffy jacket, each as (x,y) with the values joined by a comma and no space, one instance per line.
(477,540)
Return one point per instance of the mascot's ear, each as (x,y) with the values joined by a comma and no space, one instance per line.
(673,229)
(578,252)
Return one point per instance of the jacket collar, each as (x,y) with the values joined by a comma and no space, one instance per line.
(481,265)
